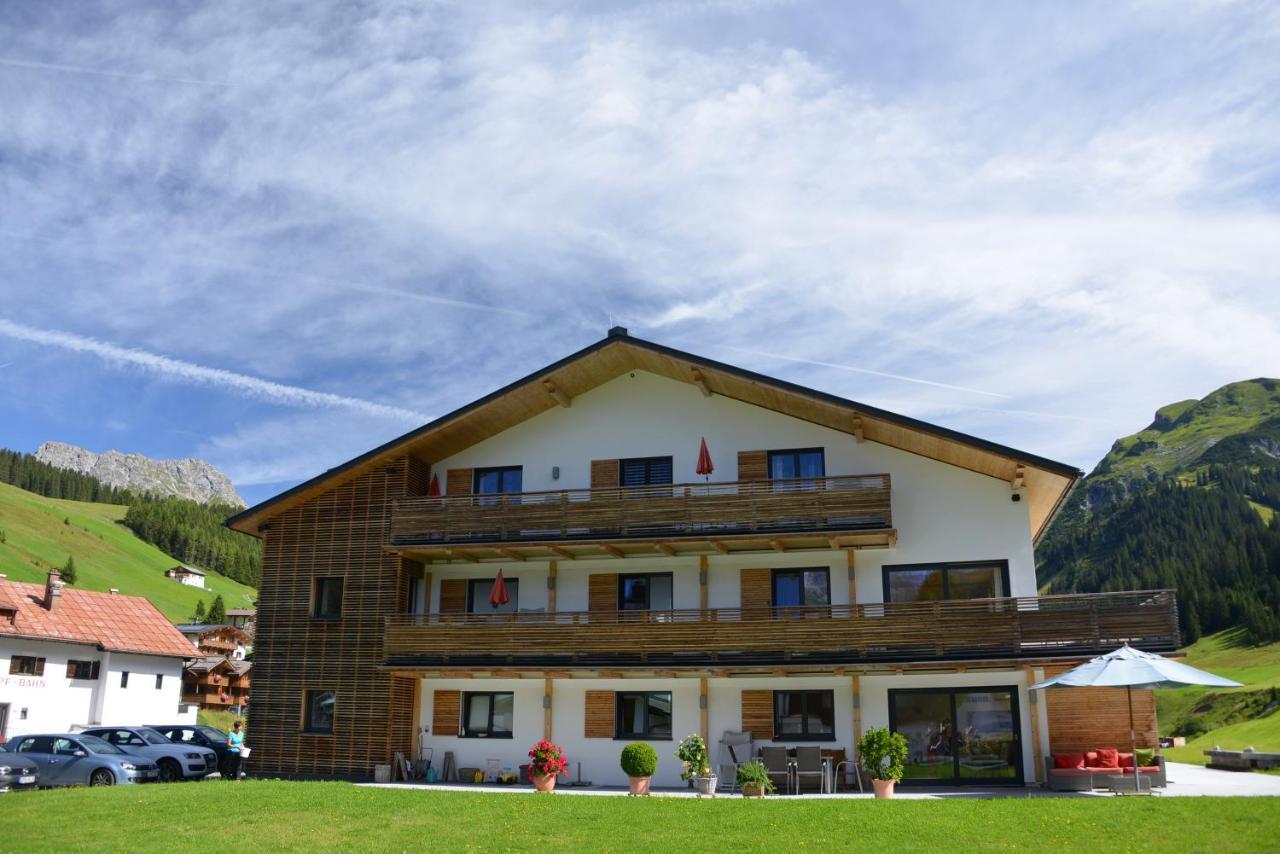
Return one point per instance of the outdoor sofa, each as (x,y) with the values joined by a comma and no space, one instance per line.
(1081,772)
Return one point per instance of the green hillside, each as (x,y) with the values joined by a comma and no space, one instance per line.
(1232,718)
(41,532)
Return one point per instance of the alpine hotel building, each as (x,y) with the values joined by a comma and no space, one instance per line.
(843,567)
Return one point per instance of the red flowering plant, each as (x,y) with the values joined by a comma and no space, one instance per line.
(546,758)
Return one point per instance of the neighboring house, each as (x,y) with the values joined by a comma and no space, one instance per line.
(843,568)
(242,618)
(218,639)
(73,658)
(187,575)
(217,682)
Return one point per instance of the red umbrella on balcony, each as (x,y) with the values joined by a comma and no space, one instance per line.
(433,488)
(498,594)
(705,466)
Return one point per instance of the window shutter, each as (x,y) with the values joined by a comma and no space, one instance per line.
(756,591)
(453,596)
(757,714)
(598,714)
(604,473)
(753,465)
(602,591)
(458,482)
(39,667)
(446,710)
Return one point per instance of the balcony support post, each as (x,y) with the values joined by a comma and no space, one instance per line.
(704,711)
(551,586)
(546,708)
(702,583)
(855,687)
(853,587)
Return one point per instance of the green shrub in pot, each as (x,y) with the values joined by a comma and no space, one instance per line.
(639,760)
(753,779)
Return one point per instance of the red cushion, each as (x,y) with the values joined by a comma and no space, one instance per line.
(1068,760)
(1091,758)
(1126,760)
(1108,758)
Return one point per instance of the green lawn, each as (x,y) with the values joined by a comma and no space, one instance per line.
(107,553)
(1235,717)
(274,815)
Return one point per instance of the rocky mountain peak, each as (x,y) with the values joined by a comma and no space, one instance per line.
(191,478)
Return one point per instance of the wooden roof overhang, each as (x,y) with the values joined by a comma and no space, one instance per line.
(1043,482)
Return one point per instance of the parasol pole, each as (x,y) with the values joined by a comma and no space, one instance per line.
(1133,743)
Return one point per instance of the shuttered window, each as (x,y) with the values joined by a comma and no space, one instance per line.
(757,714)
(26,665)
(445,711)
(755,589)
(602,591)
(753,465)
(453,595)
(604,473)
(598,714)
(646,471)
(458,482)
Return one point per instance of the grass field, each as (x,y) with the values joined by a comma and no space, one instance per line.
(276,815)
(107,553)
(1235,717)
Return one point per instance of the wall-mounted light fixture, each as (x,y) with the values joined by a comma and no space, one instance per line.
(555,472)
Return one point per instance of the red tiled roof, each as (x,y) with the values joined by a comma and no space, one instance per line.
(114,622)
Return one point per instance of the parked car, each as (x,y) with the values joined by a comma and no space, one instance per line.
(77,759)
(176,761)
(16,772)
(200,736)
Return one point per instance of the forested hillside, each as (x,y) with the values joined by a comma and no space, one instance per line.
(188,530)
(1190,503)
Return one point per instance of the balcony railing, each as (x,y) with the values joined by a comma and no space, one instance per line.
(1024,627)
(704,510)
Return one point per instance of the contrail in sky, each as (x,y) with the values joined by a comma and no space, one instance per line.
(194,374)
(94,72)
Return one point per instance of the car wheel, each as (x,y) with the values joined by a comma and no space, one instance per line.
(169,771)
(102,777)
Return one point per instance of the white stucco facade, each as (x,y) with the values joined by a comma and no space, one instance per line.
(53,702)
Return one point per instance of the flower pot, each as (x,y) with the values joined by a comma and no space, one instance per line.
(884,788)
(639,785)
(705,785)
(753,790)
(544,782)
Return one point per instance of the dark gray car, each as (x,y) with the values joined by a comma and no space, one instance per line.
(16,772)
(77,759)
(200,736)
(176,761)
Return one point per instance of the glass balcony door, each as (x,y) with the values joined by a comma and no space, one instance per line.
(959,735)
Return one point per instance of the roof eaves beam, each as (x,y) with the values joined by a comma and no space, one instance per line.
(557,393)
(857,429)
(700,381)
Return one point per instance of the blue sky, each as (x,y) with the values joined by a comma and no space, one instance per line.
(274,235)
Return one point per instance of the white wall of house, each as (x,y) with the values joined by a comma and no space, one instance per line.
(942,513)
(55,703)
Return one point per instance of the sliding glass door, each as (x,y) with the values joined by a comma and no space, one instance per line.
(959,735)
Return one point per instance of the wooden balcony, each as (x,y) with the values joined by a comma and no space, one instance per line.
(825,512)
(973,629)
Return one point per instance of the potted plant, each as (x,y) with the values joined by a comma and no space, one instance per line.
(882,754)
(639,760)
(753,779)
(546,760)
(692,751)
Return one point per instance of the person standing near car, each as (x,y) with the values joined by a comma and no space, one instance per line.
(235,741)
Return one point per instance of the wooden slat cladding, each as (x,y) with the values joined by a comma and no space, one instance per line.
(769,508)
(598,714)
(340,532)
(1083,719)
(453,595)
(757,714)
(458,482)
(417,477)
(756,589)
(602,592)
(604,473)
(753,465)
(1028,627)
(446,712)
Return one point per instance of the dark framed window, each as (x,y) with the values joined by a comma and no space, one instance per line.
(645,471)
(804,715)
(83,669)
(806,587)
(478,590)
(497,481)
(959,735)
(327,598)
(488,714)
(798,462)
(643,714)
(26,665)
(124,678)
(645,592)
(159,681)
(317,713)
(932,582)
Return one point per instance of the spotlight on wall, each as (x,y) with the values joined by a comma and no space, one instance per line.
(555,472)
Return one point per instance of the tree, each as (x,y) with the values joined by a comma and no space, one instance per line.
(69,570)
(217,611)
(198,616)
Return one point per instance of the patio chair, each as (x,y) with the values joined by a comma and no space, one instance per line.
(777,765)
(735,749)
(808,765)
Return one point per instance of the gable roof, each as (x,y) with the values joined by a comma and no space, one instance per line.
(1047,483)
(108,620)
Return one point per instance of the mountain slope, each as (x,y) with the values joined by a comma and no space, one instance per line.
(1189,502)
(41,532)
(192,479)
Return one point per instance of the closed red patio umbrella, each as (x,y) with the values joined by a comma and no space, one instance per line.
(705,466)
(433,488)
(498,594)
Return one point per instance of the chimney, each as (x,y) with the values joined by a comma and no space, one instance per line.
(52,589)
